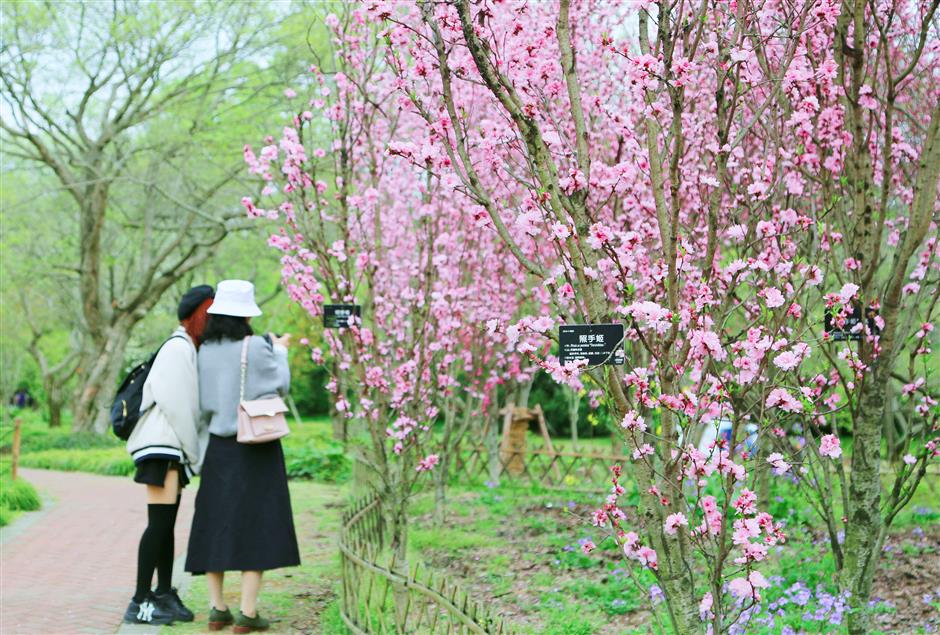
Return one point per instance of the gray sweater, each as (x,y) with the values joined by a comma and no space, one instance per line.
(220,376)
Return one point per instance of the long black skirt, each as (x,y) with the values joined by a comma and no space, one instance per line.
(243,519)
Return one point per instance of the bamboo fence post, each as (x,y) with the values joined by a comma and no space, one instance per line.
(17,429)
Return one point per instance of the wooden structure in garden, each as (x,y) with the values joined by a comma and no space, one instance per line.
(378,597)
(516,422)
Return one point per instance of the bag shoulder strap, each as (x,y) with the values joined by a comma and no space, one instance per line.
(165,342)
(241,389)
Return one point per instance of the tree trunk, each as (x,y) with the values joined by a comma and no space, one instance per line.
(440,473)
(54,407)
(338,419)
(98,380)
(864,526)
(574,401)
(54,399)
(492,441)
(675,573)
(398,527)
(524,390)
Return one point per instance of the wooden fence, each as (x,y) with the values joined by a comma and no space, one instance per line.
(575,471)
(377,598)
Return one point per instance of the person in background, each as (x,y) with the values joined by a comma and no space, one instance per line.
(166,451)
(21,398)
(243,519)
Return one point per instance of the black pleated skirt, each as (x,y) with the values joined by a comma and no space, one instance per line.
(153,472)
(243,519)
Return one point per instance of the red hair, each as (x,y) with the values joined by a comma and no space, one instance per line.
(195,324)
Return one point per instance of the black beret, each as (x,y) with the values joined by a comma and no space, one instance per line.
(192,299)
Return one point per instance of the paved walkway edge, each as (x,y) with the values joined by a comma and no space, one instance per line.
(24,521)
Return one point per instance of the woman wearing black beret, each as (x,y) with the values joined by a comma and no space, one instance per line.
(166,450)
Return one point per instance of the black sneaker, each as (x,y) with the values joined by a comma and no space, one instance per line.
(171,600)
(148,611)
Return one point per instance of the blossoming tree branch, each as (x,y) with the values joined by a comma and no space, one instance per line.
(749,188)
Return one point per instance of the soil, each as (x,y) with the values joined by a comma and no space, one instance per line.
(909,581)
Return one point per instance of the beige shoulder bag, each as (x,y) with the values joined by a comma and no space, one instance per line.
(259,420)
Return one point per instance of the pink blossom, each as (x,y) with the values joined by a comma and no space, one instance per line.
(909,459)
(633,421)
(542,324)
(651,314)
(647,556)
(748,587)
(427,463)
(776,460)
(773,298)
(587,546)
(786,361)
(866,98)
(847,293)
(630,542)
(706,343)
(644,450)
(911,388)
(560,231)
(673,522)
(782,399)
(745,503)
(829,446)
(740,588)
(705,606)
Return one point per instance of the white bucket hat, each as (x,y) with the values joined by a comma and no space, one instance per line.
(235,298)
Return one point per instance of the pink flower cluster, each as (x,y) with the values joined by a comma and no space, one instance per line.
(427,463)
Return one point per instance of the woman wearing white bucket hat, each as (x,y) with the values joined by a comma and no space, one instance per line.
(243,519)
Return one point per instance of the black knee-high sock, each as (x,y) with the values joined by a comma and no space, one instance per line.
(165,560)
(159,523)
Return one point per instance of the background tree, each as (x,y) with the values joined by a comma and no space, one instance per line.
(130,108)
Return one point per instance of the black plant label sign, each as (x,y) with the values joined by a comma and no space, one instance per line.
(336,316)
(848,327)
(597,343)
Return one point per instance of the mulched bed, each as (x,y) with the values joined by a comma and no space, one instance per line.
(908,580)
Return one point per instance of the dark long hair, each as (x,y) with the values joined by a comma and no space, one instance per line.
(221,328)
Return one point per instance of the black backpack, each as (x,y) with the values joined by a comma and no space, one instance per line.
(125,411)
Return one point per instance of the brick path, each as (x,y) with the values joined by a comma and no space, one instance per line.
(72,569)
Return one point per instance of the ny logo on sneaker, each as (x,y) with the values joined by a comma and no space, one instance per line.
(145,614)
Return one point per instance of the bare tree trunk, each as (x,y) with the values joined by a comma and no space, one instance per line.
(574,402)
(863,531)
(492,441)
(97,381)
(54,404)
(396,507)
(861,535)
(525,390)
(441,473)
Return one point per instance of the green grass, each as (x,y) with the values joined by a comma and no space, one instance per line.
(309,451)
(107,461)
(7,515)
(18,495)
(301,598)
(454,540)
(15,496)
